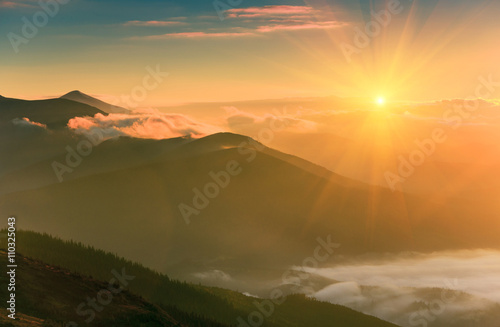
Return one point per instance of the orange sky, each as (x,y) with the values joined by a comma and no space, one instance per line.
(424,53)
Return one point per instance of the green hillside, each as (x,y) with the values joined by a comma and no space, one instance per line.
(180,301)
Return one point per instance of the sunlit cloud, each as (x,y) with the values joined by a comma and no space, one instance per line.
(150,124)
(198,35)
(267,11)
(26,122)
(17,4)
(154,23)
(304,26)
(254,21)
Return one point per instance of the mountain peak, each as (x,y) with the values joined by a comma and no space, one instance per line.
(78,96)
(74,93)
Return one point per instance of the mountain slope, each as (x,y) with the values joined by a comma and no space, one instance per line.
(91,101)
(269,216)
(126,152)
(113,154)
(48,296)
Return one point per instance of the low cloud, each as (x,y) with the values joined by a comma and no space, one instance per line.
(251,124)
(150,124)
(213,276)
(25,122)
(465,284)
(428,271)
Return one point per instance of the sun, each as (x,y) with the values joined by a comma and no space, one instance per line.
(380,101)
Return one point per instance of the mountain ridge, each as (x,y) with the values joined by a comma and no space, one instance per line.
(55,113)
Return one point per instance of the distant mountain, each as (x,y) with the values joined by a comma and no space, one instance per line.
(26,141)
(87,99)
(55,113)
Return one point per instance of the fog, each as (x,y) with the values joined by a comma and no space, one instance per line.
(452,289)
(440,289)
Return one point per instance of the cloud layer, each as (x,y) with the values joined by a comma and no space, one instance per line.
(402,288)
(150,124)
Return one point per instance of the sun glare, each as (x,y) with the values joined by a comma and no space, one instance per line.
(380,101)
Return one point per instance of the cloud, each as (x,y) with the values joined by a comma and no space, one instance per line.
(429,271)
(213,276)
(151,124)
(285,18)
(304,26)
(254,21)
(17,4)
(267,11)
(197,35)
(399,285)
(154,23)
(251,124)
(25,122)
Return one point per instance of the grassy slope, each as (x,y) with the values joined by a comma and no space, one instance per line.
(48,295)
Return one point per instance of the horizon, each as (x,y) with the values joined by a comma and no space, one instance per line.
(374,102)
(211,53)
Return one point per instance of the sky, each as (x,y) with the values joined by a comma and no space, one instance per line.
(230,50)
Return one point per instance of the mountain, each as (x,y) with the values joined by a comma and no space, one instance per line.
(126,152)
(62,269)
(87,99)
(267,217)
(49,295)
(55,113)
(32,131)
